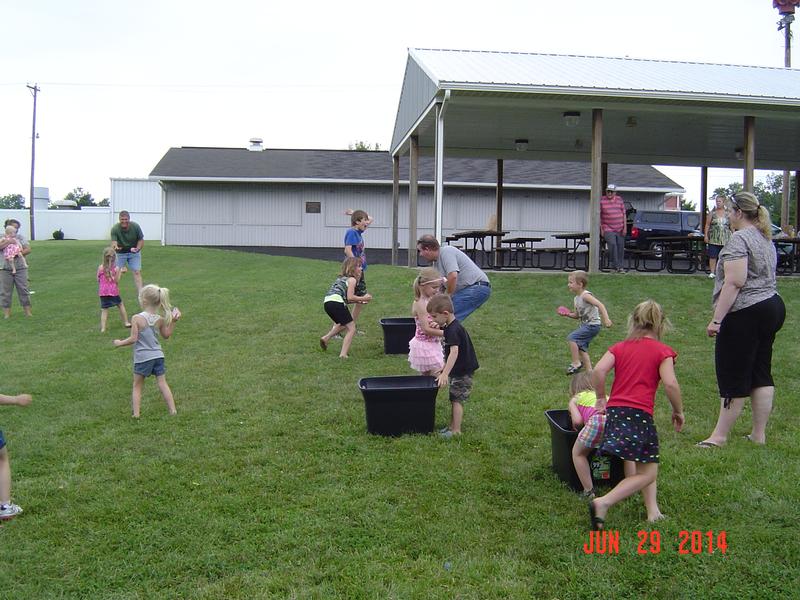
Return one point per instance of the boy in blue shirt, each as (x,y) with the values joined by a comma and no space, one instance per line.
(354,248)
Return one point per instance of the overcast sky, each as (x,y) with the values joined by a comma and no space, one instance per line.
(122,82)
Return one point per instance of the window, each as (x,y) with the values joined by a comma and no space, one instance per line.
(314,207)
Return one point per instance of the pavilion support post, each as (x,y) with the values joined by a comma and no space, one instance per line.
(395,206)
(499,209)
(785,200)
(438,194)
(703,197)
(749,153)
(596,191)
(604,177)
(413,194)
(797,201)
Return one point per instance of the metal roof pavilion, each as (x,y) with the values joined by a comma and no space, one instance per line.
(604,110)
(655,112)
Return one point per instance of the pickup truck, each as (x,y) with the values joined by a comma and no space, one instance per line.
(654,223)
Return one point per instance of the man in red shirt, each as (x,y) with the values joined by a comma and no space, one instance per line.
(613,227)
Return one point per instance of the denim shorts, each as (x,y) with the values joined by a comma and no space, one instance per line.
(110,301)
(133,260)
(150,367)
(583,335)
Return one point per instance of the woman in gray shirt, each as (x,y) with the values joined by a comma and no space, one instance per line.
(748,312)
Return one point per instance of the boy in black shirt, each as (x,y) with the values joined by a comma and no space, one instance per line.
(460,360)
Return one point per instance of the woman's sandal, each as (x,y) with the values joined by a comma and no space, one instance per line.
(597,523)
(706,444)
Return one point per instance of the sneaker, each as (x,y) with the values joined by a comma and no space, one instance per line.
(572,369)
(711,276)
(588,494)
(444,430)
(9,511)
(338,336)
(447,434)
(360,332)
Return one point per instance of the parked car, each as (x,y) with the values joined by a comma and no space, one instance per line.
(654,223)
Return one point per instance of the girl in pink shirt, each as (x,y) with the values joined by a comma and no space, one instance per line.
(640,363)
(108,275)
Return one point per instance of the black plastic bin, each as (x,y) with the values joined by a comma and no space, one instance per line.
(606,470)
(398,405)
(397,332)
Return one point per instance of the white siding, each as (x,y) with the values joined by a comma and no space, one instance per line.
(274,214)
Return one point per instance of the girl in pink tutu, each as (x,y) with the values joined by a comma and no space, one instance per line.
(425,352)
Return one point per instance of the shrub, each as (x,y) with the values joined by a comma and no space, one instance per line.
(58,234)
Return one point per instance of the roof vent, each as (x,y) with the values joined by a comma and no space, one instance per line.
(256,145)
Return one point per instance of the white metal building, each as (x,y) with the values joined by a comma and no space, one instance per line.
(297,198)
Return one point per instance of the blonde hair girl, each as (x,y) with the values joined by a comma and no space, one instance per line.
(425,352)
(108,275)
(157,317)
(640,363)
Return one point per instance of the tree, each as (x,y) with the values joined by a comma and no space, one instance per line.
(104,202)
(687,204)
(80,197)
(12,201)
(361,146)
(769,193)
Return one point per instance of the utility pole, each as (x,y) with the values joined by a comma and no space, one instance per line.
(34,90)
(786,9)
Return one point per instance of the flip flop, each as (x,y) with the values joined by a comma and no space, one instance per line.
(596,522)
(750,439)
(323,344)
(705,444)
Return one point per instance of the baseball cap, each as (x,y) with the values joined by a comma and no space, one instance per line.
(611,187)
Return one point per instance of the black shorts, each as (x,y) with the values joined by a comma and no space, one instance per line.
(743,351)
(338,312)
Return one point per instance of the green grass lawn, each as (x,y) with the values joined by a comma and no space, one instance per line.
(266,484)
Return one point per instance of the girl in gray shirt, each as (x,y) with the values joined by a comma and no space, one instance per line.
(157,316)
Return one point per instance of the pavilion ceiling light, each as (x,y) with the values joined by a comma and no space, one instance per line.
(739,153)
(572,118)
(521,144)
(631,122)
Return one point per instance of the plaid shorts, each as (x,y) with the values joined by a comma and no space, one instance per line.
(592,433)
(460,388)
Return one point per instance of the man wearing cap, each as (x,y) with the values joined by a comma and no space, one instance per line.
(613,227)
(466,283)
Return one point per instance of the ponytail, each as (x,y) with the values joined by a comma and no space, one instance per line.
(756,212)
(763,221)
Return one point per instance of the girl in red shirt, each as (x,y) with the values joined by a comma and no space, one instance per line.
(640,363)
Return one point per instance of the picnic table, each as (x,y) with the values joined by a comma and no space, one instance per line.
(572,242)
(787,257)
(523,246)
(682,247)
(479,237)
